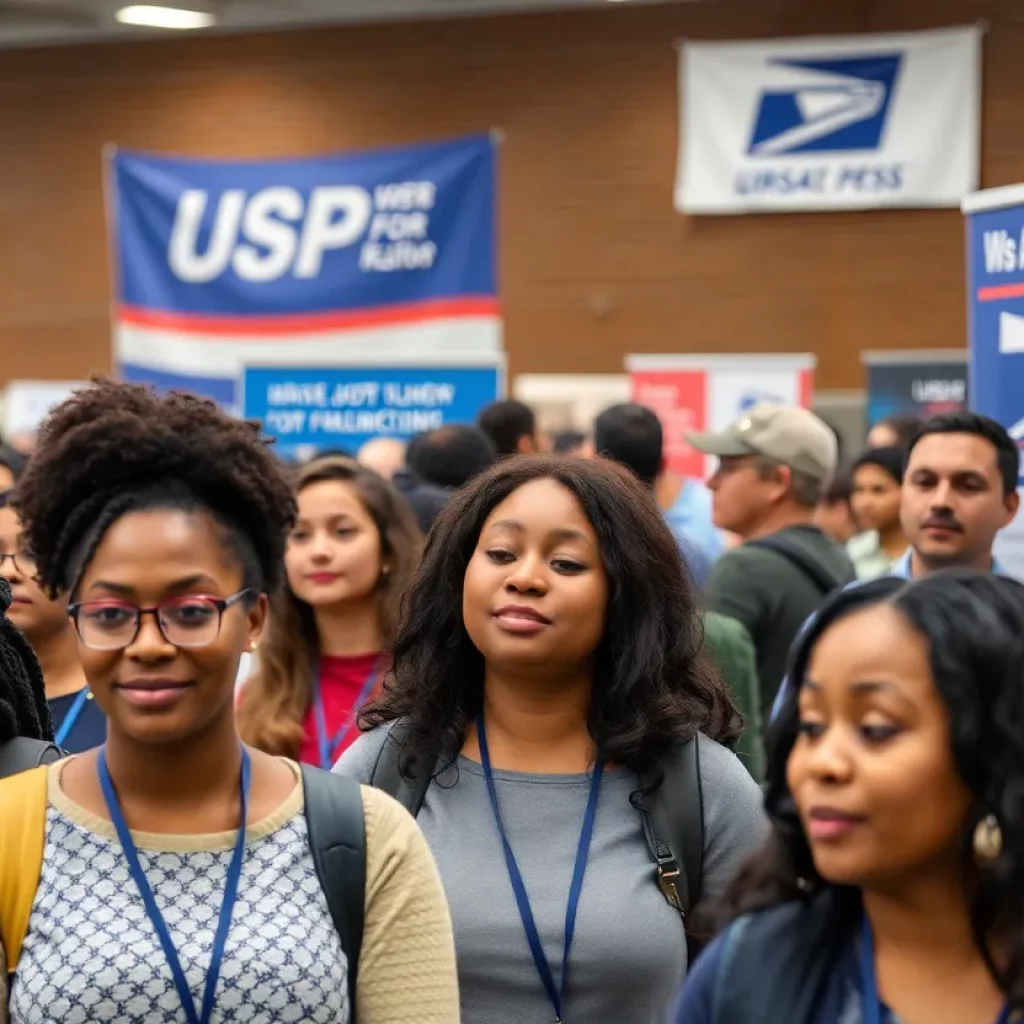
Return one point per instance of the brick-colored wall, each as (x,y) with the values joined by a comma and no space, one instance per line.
(595,262)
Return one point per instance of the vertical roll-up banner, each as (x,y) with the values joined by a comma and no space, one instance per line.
(708,392)
(995,308)
(915,382)
(225,265)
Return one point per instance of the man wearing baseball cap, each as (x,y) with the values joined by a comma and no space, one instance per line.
(774,464)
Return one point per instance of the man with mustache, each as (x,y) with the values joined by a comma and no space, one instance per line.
(959,491)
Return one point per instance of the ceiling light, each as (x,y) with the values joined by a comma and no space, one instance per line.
(163,17)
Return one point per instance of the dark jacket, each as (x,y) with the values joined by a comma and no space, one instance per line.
(784,965)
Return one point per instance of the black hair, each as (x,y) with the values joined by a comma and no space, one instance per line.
(506,424)
(839,490)
(567,442)
(904,427)
(631,435)
(24,710)
(13,460)
(974,626)
(892,461)
(963,422)
(652,685)
(116,448)
(450,456)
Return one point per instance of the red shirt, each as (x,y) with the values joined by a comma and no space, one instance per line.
(341,682)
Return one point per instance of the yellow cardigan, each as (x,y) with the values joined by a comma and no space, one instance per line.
(407,963)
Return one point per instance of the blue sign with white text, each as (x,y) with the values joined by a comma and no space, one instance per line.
(299,237)
(995,248)
(344,407)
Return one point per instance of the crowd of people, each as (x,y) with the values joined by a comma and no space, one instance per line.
(500,728)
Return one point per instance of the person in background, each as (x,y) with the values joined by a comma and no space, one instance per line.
(959,491)
(351,554)
(834,516)
(548,659)
(12,465)
(631,434)
(889,890)
(384,455)
(177,867)
(511,425)
(78,722)
(568,442)
(451,456)
(774,465)
(875,501)
(893,432)
(26,731)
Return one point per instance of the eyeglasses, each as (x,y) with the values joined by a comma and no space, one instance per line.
(21,561)
(192,621)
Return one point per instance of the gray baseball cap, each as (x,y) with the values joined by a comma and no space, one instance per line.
(787,434)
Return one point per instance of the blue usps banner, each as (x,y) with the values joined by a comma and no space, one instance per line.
(222,238)
(995,246)
(343,407)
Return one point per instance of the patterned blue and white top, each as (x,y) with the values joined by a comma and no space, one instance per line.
(91,955)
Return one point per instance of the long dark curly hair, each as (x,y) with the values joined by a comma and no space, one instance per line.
(652,686)
(974,626)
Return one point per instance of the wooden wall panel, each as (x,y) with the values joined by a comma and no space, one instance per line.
(595,263)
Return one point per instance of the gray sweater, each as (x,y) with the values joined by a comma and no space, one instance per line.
(629,951)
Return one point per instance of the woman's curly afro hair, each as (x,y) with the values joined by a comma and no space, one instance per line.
(114,448)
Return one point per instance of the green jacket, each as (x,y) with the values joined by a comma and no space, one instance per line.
(732,651)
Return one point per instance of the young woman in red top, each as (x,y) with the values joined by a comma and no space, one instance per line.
(354,547)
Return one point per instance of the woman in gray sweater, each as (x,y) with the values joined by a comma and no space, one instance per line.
(548,664)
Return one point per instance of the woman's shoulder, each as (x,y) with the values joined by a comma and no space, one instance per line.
(360,760)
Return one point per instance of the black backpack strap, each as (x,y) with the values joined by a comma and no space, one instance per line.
(337,840)
(20,754)
(674,827)
(801,559)
(387,776)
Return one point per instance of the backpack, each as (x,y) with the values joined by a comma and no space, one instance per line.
(801,559)
(20,754)
(673,816)
(337,841)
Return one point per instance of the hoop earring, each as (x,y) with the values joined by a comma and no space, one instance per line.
(988,839)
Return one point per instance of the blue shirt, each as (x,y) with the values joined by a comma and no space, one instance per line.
(901,569)
(689,518)
(89,729)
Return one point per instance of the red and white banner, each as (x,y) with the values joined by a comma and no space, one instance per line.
(708,392)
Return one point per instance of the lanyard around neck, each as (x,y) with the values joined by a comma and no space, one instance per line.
(234,875)
(326,746)
(71,717)
(555,995)
(872,1002)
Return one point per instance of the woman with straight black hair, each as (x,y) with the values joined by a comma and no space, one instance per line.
(891,890)
(547,675)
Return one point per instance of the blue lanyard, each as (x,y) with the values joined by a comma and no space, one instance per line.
(160,926)
(71,717)
(872,1008)
(555,995)
(328,746)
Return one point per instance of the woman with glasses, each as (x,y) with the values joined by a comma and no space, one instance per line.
(184,876)
(892,888)
(354,547)
(78,722)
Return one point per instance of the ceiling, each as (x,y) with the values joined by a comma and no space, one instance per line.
(36,22)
